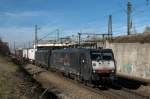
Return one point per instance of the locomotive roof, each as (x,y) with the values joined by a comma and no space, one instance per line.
(82,50)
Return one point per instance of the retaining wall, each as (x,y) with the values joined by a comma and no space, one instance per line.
(132,59)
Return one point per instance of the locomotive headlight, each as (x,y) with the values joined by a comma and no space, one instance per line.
(112,71)
(94,64)
(93,71)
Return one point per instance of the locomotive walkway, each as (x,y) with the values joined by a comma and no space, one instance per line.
(64,88)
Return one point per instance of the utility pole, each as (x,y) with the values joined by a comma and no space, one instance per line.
(36,34)
(57,30)
(103,36)
(29,44)
(14,47)
(129,11)
(24,45)
(36,28)
(79,34)
(110,26)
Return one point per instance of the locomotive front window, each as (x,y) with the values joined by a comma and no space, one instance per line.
(107,56)
(96,56)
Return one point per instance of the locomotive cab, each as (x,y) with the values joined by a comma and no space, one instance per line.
(103,65)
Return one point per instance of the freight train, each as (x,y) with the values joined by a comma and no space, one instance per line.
(96,66)
(17,57)
(87,65)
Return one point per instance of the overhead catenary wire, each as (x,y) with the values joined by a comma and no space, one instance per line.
(135,10)
(54,31)
(88,24)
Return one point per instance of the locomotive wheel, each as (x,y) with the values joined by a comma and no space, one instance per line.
(85,82)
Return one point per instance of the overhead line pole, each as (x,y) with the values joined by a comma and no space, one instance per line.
(110,25)
(103,36)
(129,11)
(79,34)
(57,35)
(36,35)
(14,47)
(29,44)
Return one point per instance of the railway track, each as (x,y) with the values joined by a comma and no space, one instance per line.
(112,93)
(126,94)
(138,94)
(135,93)
(107,92)
(95,90)
(118,94)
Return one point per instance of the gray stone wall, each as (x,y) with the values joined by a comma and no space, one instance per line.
(133,59)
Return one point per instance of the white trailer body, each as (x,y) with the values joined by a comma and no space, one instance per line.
(31,55)
(25,53)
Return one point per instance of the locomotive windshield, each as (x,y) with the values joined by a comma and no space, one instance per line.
(96,56)
(107,56)
(101,56)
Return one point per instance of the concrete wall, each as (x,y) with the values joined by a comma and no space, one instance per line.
(133,59)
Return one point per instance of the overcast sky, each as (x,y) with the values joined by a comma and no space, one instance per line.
(18,17)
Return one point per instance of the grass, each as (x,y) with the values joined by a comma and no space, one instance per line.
(8,82)
(14,84)
(141,38)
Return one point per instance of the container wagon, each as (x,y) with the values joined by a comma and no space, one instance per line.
(18,56)
(31,55)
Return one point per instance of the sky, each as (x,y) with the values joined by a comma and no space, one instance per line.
(18,17)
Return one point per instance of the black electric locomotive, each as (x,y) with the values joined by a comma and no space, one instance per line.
(89,65)
(42,57)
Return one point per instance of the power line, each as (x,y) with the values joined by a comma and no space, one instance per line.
(48,34)
(104,16)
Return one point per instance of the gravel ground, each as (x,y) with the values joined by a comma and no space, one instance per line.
(14,84)
(145,90)
(68,89)
(62,87)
